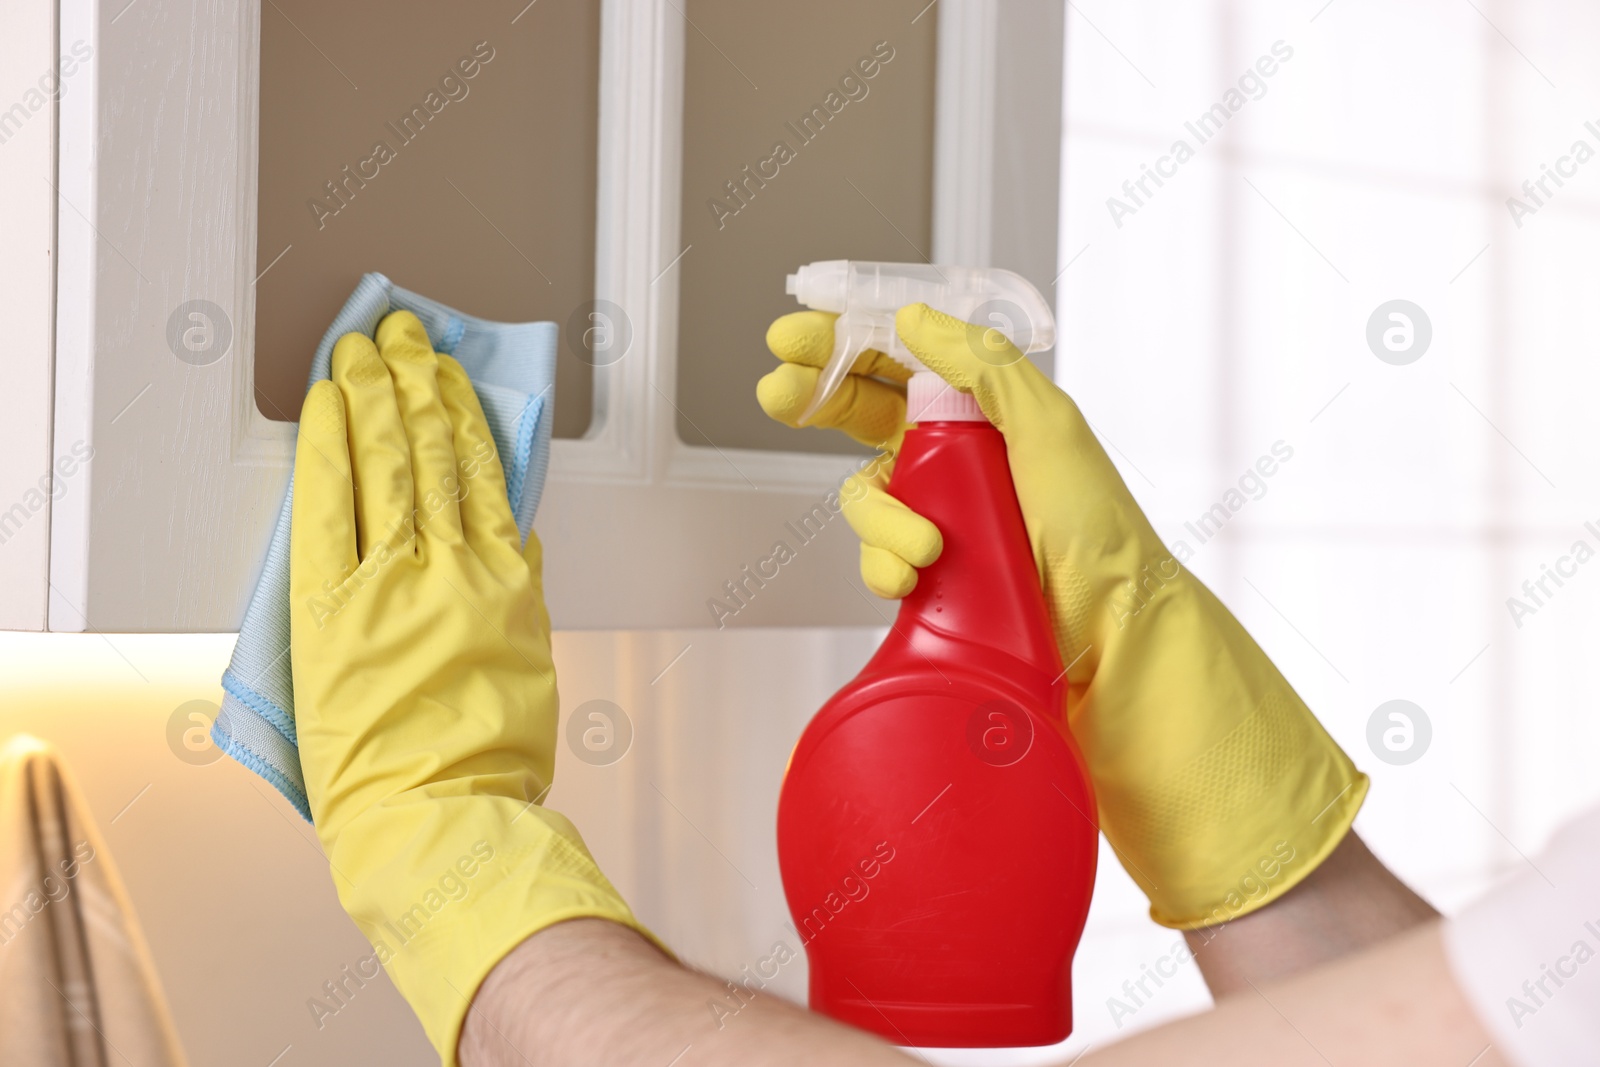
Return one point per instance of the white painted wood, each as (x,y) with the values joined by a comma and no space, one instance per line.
(997,138)
(157,208)
(641,530)
(963,132)
(710,512)
(27,289)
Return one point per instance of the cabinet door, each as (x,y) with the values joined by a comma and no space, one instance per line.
(27,281)
(155,329)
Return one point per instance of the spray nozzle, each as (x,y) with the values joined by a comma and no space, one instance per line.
(867,295)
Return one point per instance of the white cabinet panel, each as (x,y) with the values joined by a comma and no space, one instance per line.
(28,91)
(155,337)
(156,211)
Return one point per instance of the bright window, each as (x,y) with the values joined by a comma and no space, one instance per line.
(1247,189)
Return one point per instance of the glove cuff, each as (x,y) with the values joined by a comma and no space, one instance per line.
(528,873)
(1217,786)
(1244,823)
(1276,869)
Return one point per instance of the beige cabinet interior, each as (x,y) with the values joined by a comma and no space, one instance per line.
(807,134)
(439,144)
(457,154)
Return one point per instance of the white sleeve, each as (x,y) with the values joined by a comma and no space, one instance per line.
(1527,955)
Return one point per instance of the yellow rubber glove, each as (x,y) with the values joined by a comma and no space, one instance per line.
(424,691)
(1217,787)
(871,411)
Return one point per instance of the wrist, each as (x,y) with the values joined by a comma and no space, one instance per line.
(1345,904)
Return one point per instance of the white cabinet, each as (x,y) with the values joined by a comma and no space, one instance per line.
(27,277)
(155,263)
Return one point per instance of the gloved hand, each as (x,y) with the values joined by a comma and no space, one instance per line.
(424,690)
(1217,787)
(895,540)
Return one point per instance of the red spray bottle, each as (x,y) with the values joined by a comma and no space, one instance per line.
(937,831)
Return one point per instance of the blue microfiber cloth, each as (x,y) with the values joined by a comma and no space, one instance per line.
(513,368)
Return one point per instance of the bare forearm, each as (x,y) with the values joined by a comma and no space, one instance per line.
(1350,903)
(1395,1005)
(591,992)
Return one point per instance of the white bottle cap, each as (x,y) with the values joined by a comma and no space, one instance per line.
(929,398)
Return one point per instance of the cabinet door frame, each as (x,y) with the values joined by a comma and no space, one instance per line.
(156,208)
(27,280)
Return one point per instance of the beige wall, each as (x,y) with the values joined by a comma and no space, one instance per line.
(512,239)
(238,907)
(231,886)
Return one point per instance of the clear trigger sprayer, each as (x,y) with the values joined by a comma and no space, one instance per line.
(867,295)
